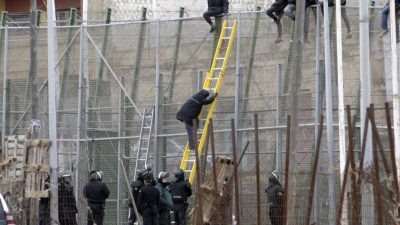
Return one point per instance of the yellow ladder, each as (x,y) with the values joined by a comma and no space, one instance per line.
(213,83)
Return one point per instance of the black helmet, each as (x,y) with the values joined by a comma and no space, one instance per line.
(273,178)
(95,175)
(148,177)
(141,173)
(180,174)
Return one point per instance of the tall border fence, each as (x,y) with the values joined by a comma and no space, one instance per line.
(107,74)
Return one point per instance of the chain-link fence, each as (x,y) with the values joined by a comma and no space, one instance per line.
(107,75)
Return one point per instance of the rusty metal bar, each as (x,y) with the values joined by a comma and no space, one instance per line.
(392,150)
(214,167)
(363,146)
(375,135)
(198,198)
(243,152)
(205,154)
(343,190)
(375,180)
(354,188)
(314,171)
(287,161)
(235,174)
(257,145)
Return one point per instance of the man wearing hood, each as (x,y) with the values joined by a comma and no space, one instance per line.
(191,109)
(275,193)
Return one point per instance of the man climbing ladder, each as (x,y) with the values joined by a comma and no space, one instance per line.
(212,84)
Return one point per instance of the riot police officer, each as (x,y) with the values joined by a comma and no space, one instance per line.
(148,201)
(66,201)
(166,203)
(135,188)
(96,193)
(275,193)
(180,191)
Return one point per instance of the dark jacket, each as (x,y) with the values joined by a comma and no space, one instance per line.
(332,2)
(308,2)
(96,192)
(149,198)
(280,3)
(275,193)
(192,107)
(180,191)
(66,200)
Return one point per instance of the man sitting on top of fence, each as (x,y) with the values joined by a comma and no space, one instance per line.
(385,17)
(215,8)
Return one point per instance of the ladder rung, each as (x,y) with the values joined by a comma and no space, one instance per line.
(146,127)
(143,148)
(220,58)
(209,89)
(141,159)
(188,171)
(224,38)
(218,68)
(190,160)
(228,27)
(144,138)
(212,78)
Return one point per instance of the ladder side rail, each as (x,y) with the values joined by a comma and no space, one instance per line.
(149,136)
(139,145)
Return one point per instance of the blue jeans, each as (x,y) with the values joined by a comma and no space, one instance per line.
(385,16)
(290,11)
(189,130)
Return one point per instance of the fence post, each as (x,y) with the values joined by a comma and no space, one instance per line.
(158,153)
(4,122)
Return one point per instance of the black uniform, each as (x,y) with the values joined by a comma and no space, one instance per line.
(275,194)
(96,193)
(215,8)
(44,206)
(191,109)
(66,204)
(180,191)
(148,204)
(135,187)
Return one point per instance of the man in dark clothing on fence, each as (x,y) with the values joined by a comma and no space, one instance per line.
(276,12)
(149,201)
(290,9)
(66,201)
(275,193)
(385,17)
(180,191)
(215,8)
(191,109)
(96,193)
(166,204)
(331,3)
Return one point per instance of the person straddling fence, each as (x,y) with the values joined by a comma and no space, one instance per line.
(331,3)
(166,204)
(290,9)
(181,190)
(96,192)
(385,17)
(275,11)
(66,201)
(149,201)
(275,193)
(215,8)
(191,109)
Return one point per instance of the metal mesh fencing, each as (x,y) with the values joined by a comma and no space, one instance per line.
(108,74)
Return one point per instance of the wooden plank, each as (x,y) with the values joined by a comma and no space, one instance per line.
(37,194)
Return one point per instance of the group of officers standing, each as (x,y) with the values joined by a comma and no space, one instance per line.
(156,199)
